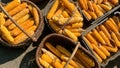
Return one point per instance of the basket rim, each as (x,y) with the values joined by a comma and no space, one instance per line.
(37,33)
(66,38)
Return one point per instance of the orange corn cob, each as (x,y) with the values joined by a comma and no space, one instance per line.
(17,16)
(22,37)
(18,9)
(24,25)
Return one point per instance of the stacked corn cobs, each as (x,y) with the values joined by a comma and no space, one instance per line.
(65,19)
(56,56)
(25,15)
(93,9)
(105,38)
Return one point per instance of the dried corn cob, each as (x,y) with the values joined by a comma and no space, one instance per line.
(103,28)
(97,10)
(17,16)
(70,34)
(85,57)
(111,49)
(24,25)
(36,16)
(73,63)
(46,58)
(52,49)
(6,34)
(97,56)
(63,50)
(88,42)
(105,38)
(65,14)
(116,41)
(87,14)
(2,19)
(104,50)
(99,52)
(22,37)
(91,39)
(11,5)
(92,14)
(44,63)
(54,26)
(98,36)
(105,7)
(54,58)
(18,9)
(21,20)
(53,9)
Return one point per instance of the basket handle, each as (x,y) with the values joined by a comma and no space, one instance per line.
(6,13)
(73,53)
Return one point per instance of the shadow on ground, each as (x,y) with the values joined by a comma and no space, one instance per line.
(28,60)
(7,54)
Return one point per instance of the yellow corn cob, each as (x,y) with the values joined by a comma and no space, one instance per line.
(11,5)
(21,20)
(36,16)
(107,8)
(98,36)
(97,56)
(44,63)
(70,34)
(58,12)
(97,10)
(75,29)
(2,19)
(57,64)
(117,42)
(88,42)
(104,50)
(101,9)
(103,28)
(63,50)
(77,34)
(90,7)
(52,49)
(30,7)
(99,1)
(24,25)
(92,14)
(83,5)
(91,39)
(53,9)
(86,58)
(22,37)
(105,37)
(111,26)
(111,49)
(70,6)
(17,16)
(77,25)
(115,2)
(87,14)
(18,9)
(65,14)
(113,22)
(99,52)
(46,58)
(6,34)
(68,66)
(53,25)
(73,63)
(52,56)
